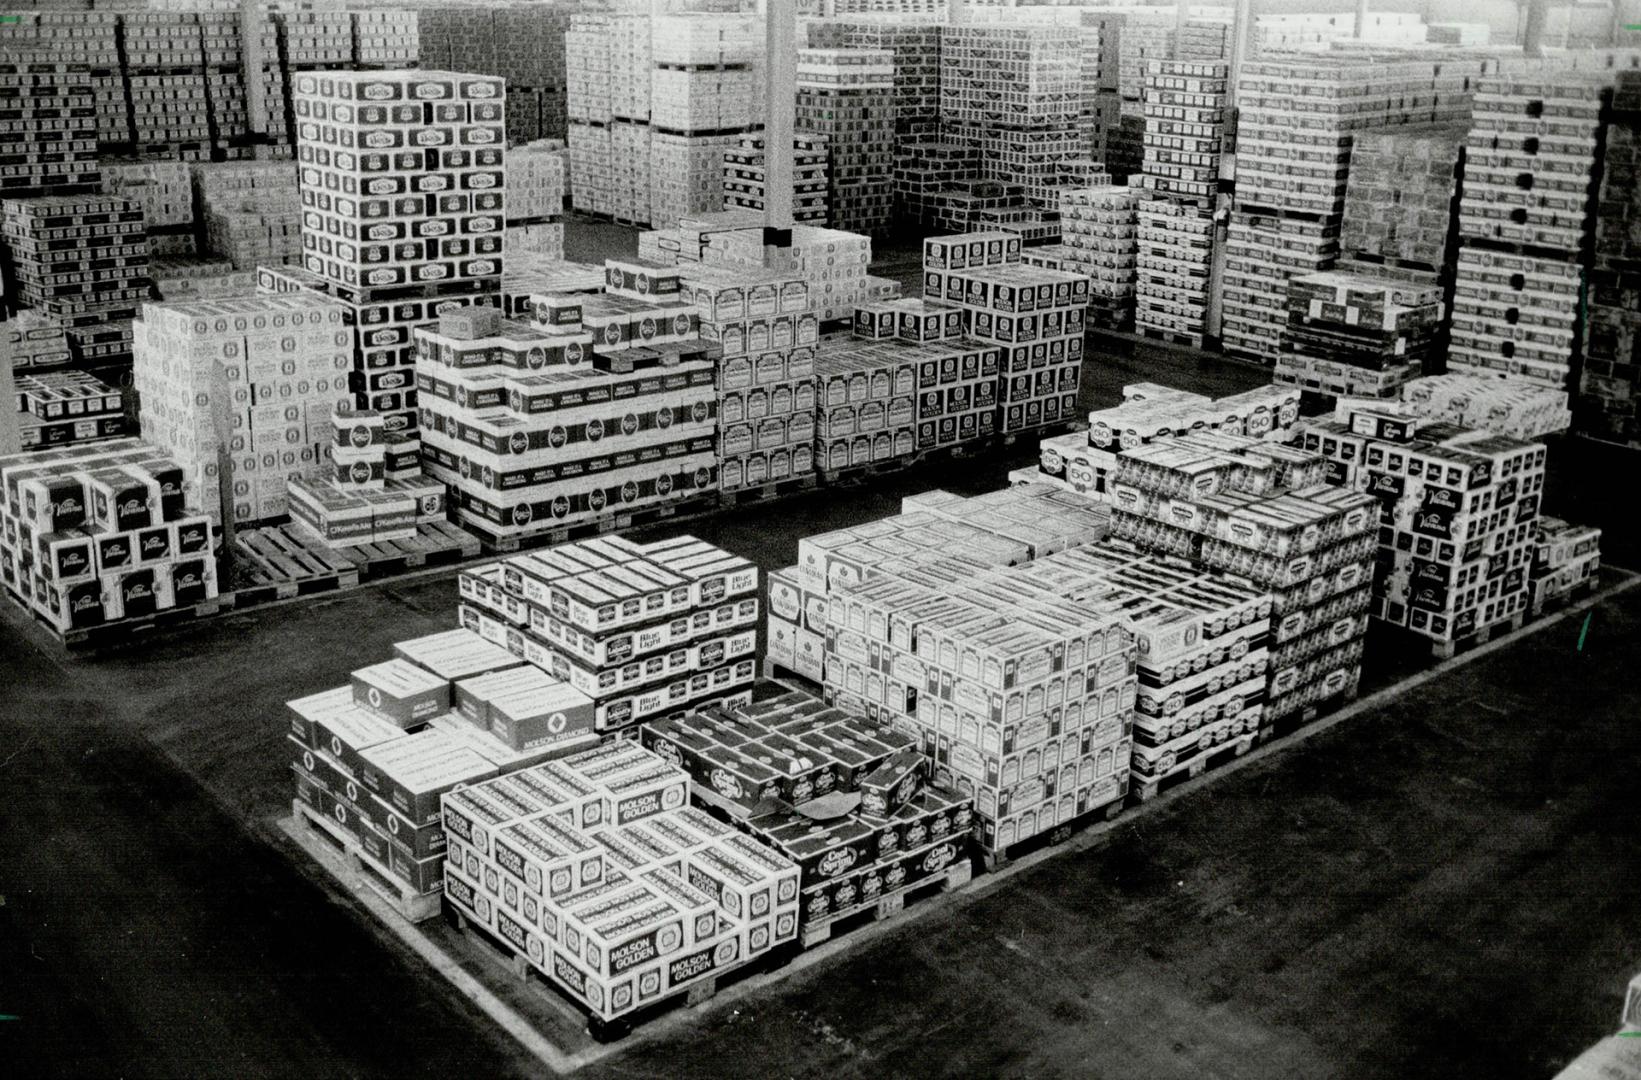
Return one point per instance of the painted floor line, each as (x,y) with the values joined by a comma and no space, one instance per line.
(560,1061)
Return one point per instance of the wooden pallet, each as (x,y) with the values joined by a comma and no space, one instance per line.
(992,860)
(549,536)
(1446,650)
(775,489)
(1144,789)
(1280,727)
(855,475)
(124,631)
(1171,337)
(334,848)
(790,679)
(820,931)
(284,561)
(503,954)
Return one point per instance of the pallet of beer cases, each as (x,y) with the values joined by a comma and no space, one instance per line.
(1566,563)
(845,799)
(1035,316)
(1511,407)
(595,872)
(1266,514)
(643,629)
(600,409)
(1457,510)
(1358,332)
(98,543)
(1084,462)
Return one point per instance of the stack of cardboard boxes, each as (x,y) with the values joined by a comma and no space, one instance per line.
(1511,407)
(1524,220)
(1085,462)
(424,235)
(35,341)
(1358,334)
(1566,558)
(164,61)
(89,42)
(1266,514)
(1399,199)
(597,872)
(1035,316)
(834,264)
(534,211)
(642,630)
(1609,391)
(846,98)
(52,135)
(251,211)
(927,173)
(915,44)
(82,261)
(165,192)
(198,277)
(240,392)
(67,407)
(1457,511)
(94,534)
(762,763)
(600,404)
(744,177)
(765,336)
(1099,238)
(370,488)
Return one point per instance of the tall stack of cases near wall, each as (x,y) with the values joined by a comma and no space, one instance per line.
(1184,125)
(1013,93)
(765,335)
(86,44)
(1291,181)
(1086,462)
(846,98)
(1609,391)
(599,405)
(263,372)
(1457,516)
(1266,515)
(1035,316)
(1525,221)
(96,534)
(521,43)
(62,408)
(744,177)
(915,44)
(653,103)
(51,121)
(1099,238)
(82,262)
(537,175)
(424,237)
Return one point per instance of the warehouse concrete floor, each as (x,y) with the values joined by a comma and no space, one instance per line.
(1442,886)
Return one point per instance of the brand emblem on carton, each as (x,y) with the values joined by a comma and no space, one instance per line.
(596,499)
(519,442)
(663,484)
(522,514)
(360,472)
(573,352)
(836,861)
(595,429)
(629,492)
(376,92)
(725,783)
(382,277)
(557,436)
(560,506)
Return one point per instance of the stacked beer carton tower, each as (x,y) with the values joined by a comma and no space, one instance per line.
(1265,514)
(915,44)
(744,177)
(601,404)
(1609,392)
(1524,221)
(1399,199)
(834,264)
(653,103)
(927,174)
(370,488)
(765,336)
(1358,333)
(1184,124)
(523,43)
(165,192)
(35,341)
(1013,93)
(846,99)
(1035,316)
(534,211)
(100,533)
(64,408)
(81,261)
(1086,462)
(428,222)
(1457,512)
(88,41)
(240,393)
(760,764)
(1291,180)
(198,277)
(1099,238)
